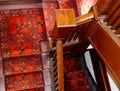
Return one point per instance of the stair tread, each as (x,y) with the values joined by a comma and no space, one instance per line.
(78,82)
(34,89)
(71,65)
(24,81)
(76,74)
(82,88)
(19,65)
(75,78)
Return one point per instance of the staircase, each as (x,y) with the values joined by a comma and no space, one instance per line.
(24,56)
(99,27)
(23,73)
(76,78)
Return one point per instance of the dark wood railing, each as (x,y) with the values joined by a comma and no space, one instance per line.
(92,29)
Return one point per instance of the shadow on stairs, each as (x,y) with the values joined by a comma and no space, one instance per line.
(77,76)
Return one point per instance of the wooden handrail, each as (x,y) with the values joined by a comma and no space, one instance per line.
(85,18)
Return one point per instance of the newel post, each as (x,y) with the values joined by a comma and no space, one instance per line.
(60,65)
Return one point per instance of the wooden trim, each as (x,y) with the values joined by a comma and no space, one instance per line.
(60,32)
(84,18)
(108,47)
(60,65)
(95,12)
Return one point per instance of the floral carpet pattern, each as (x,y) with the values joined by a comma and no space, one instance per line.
(22,33)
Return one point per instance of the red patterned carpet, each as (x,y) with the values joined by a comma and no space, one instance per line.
(75,79)
(23,37)
(21,33)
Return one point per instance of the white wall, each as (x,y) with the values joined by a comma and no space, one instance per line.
(89,64)
(112,83)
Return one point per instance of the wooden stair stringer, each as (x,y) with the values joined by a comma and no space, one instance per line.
(107,46)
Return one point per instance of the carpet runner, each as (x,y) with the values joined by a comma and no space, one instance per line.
(24,49)
(23,40)
(75,79)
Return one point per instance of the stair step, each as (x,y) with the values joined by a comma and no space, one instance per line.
(24,81)
(75,75)
(34,89)
(82,88)
(19,65)
(71,65)
(72,68)
(78,82)
(82,81)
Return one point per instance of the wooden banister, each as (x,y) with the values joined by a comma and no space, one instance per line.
(85,18)
(116,24)
(117,31)
(113,9)
(103,6)
(114,17)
